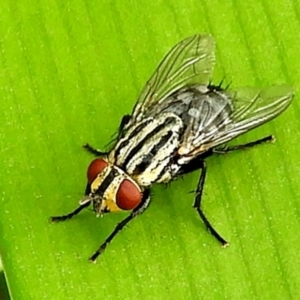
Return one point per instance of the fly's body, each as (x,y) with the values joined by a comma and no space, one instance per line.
(146,151)
(154,149)
(179,120)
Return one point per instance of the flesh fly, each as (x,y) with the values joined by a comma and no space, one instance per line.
(179,120)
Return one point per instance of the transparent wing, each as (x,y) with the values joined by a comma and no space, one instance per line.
(189,62)
(249,108)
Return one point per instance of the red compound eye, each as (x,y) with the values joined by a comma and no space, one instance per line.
(95,167)
(128,195)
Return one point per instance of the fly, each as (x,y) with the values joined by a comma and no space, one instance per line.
(179,120)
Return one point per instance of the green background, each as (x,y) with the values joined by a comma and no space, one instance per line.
(69,70)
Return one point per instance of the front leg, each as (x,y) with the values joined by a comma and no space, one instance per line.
(71,214)
(137,211)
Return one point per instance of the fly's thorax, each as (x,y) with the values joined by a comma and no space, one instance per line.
(147,148)
(111,188)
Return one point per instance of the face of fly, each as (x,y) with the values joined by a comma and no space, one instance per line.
(110,188)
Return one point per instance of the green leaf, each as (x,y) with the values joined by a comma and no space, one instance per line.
(69,71)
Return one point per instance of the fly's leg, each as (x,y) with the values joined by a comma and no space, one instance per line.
(192,166)
(225,150)
(197,206)
(94,151)
(200,164)
(138,210)
(97,152)
(70,215)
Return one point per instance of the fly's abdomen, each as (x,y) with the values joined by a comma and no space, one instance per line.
(147,148)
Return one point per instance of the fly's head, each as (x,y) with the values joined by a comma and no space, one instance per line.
(110,189)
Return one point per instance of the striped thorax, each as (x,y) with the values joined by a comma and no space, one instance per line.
(141,158)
